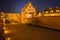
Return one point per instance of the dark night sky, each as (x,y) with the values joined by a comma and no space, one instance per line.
(17,5)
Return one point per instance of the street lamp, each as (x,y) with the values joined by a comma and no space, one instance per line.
(4,20)
(2,37)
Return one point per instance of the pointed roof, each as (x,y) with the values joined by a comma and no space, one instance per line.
(29,3)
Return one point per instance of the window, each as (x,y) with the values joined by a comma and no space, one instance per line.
(52,14)
(51,11)
(57,10)
(47,11)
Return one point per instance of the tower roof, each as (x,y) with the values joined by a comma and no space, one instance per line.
(29,3)
(28,6)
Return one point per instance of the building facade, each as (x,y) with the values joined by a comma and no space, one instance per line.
(51,12)
(13,17)
(27,13)
(10,17)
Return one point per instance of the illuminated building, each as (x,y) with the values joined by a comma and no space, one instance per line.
(51,12)
(27,13)
(40,14)
(13,17)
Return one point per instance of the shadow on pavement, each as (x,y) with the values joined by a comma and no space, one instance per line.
(43,27)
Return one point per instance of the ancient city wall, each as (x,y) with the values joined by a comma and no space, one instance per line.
(47,21)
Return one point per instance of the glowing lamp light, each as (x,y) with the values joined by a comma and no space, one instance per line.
(8,38)
(4,28)
(28,16)
(1,16)
(52,14)
(6,31)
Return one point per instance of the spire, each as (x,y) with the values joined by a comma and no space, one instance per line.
(29,3)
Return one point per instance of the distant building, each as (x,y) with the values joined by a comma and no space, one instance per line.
(13,17)
(27,13)
(40,14)
(51,12)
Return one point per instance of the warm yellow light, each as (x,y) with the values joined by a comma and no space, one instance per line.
(57,11)
(40,14)
(13,22)
(46,11)
(6,31)
(1,16)
(4,28)
(51,11)
(28,16)
(8,38)
(52,14)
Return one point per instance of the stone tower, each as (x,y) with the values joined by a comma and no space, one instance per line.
(27,13)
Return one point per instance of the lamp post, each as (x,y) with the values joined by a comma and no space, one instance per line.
(3,18)
(2,36)
(4,21)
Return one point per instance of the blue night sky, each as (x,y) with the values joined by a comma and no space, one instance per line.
(17,5)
